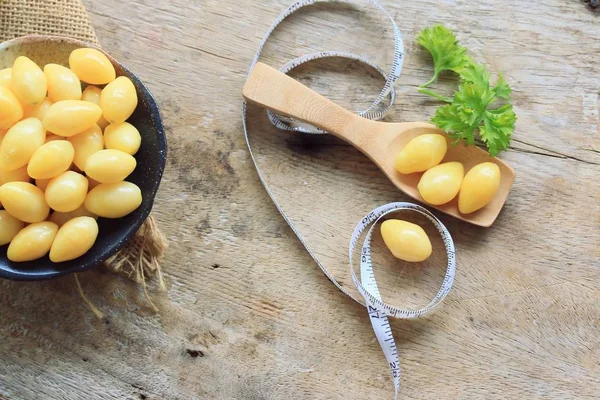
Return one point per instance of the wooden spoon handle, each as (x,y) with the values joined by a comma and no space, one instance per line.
(274,90)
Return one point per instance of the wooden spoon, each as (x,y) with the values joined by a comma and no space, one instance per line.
(380,141)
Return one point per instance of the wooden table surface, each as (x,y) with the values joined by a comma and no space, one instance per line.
(248,314)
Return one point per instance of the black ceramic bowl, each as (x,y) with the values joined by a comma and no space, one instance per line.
(151,158)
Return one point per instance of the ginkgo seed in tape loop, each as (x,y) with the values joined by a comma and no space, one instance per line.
(378,310)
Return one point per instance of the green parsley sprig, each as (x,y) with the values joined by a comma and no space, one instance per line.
(469,111)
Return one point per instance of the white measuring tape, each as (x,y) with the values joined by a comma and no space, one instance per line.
(367,286)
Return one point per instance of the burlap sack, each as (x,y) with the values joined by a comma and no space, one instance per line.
(140,259)
(45,17)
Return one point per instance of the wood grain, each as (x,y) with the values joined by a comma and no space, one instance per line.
(248,314)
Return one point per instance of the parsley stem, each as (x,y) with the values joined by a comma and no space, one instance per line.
(435,76)
(434,94)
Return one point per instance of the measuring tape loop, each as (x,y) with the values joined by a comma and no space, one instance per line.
(290,124)
(370,293)
(367,286)
(390,78)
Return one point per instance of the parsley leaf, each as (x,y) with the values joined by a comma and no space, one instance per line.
(452,120)
(502,89)
(498,128)
(447,54)
(469,111)
(473,97)
(475,73)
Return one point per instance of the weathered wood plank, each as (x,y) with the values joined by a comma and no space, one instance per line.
(259,318)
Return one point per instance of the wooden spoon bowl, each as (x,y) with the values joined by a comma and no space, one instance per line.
(380,141)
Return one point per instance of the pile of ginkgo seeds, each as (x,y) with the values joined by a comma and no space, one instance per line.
(65,153)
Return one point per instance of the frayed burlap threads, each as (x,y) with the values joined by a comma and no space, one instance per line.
(140,259)
(87,301)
